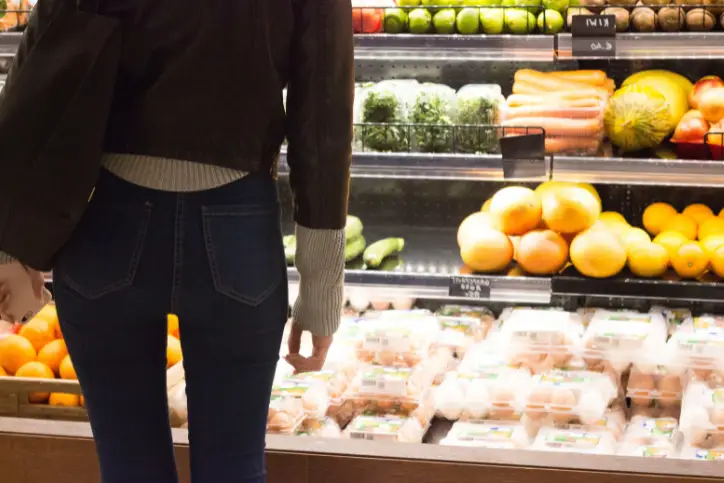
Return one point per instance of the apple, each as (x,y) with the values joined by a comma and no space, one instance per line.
(692,128)
(367,20)
(711,104)
(702,85)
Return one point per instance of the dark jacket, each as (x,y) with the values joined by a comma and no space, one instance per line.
(203,80)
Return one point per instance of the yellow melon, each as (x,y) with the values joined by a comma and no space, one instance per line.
(597,253)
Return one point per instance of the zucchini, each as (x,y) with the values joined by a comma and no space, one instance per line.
(382,249)
(290,240)
(353,228)
(355,247)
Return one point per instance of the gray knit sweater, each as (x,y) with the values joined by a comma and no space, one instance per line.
(320,253)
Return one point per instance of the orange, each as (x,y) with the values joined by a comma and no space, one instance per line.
(36,370)
(542,252)
(15,351)
(476,222)
(682,224)
(712,226)
(596,253)
(39,332)
(570,210)
(173,325)
(690,261)
(611,218)
(489,251)
(67,371)
(53,354)
(516,210)
(591,189)
(633,236)
(50,314)
(711,243)
(648,259)
(698,212)
(2,372)
(656,216)
(721,213)
(716,259)
(173,351)
(671,240)
(64,400)
(82,401)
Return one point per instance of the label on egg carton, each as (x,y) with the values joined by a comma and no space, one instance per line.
(625,334)
(575,440)
(476,433)
(709,345)
(653,452)
(393,339)
(385,381)
(375,428)
(291,388)
(709,455)
(656,428)
(708,322)
(464,325)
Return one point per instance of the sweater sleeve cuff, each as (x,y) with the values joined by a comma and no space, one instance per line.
(5,258)
(320,262)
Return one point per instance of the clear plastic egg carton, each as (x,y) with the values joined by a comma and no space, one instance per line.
(539,339)
(397,338)
(361,299)
(674,316)
(488,434)
(566,396)
(312,395)
(386,428)
(613,422)
(462,326)
(285,415)
(656,386)
(496,394)
(391,389)
(702,415)
(651,438)
(698,343)
(700,454)
(620,337)
(574,441)
(324,428)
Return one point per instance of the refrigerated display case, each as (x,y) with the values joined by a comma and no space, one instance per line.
(418,180)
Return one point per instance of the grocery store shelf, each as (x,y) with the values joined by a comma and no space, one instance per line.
(660,172)
(670,45)
(625,285)
(426,267)
(467,167)
(9,42)
(411,47)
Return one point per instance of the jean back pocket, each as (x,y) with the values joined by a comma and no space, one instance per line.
(245,250)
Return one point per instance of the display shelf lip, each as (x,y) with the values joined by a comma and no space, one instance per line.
(638,171)
(519,458)
(9,43)
(429,166)
(656,45)
(428,47)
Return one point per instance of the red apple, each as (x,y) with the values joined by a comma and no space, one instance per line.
(711,104)
(691,129)
(367,20)
(701,86)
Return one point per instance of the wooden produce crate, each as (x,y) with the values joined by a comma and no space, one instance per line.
(14,396)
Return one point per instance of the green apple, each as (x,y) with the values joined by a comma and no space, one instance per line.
(519,21)
(444,21)
(550,22)
(468,21)
(419,21)
(559,5)
(492,20)
(395,20)
(408,3)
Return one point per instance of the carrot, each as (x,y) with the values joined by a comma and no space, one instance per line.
(610,85)
(520,87)
(591,77)
(561,99)
(548,82)
(556,126)
(558,145)
(586,92)
(550,110)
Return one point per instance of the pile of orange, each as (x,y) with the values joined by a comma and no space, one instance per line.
(38,351)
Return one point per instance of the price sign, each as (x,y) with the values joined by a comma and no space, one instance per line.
(593,47)
(596,26)
(523,156)
(469,287)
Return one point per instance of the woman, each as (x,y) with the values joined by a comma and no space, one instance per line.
(185,219)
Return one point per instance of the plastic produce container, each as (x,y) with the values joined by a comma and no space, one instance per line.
(487,434)
(658,387)
(311,393)
(497,394)
(574,441)
(285,414)
(389,428)
(461,327)
(651,438)
(698,343)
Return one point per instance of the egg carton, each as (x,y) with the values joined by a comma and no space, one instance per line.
(312,394)
(565,396)
(702,415)
(654,450)
(393,389)
(574,441)
(690,452)
(462,326)
(285,415)
(488,434)
(698,344)
(660,387)
(497,393)
(324,428)
(643,432)
(613,421)
(386,428)
(674,317)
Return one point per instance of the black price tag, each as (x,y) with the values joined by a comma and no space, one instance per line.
(523,156)
(591,47)
(470,287)
(593,25)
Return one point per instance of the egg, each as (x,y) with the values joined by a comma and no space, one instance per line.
(403,303)
(411,358)
(670,387)
(538,401)
(281,421)
(640,387)
(381,304)
(359,300)
(386,358)
(501,404)
(562,403)
(717,418)
(477,402)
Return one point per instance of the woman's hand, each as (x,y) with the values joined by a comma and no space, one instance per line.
(320,348)
(5,302)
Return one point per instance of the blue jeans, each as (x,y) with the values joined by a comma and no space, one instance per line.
(216,259)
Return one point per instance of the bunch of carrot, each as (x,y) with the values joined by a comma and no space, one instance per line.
(568,105)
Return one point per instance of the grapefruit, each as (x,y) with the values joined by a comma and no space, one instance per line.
(15,352)
(611,218)
(570,210)
(474,223)
(656,216)
(67,371)
(671,240)
(648,259)
(487,251)
(634,236)
(516,210)
(53,354)
(64,400)
(542,252)
(39,332)
(597,254)
(36,370)
(690,260)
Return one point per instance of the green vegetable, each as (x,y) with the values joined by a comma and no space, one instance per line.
(382,249)
(395,21)
(353,228)
(290,240)
(382,107)
(432,109)
(355,247)
(477,112)
(390,264)
(290,248)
